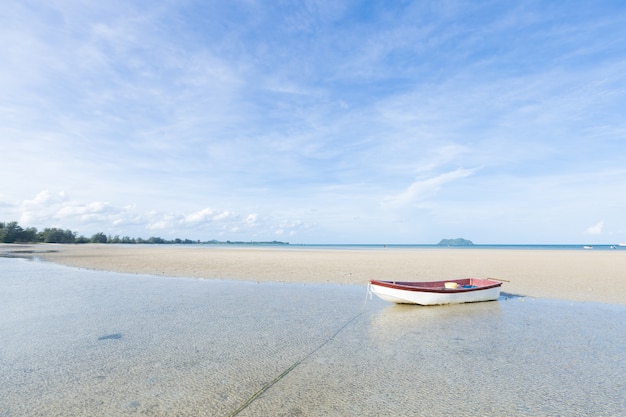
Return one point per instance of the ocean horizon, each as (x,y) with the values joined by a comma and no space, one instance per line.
(580,246)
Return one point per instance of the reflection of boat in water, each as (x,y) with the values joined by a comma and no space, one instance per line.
(466,290)
(404,322)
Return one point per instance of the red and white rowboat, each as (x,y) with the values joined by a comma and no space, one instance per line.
(465,290)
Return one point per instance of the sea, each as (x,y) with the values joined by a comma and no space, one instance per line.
(77,342)
(459,247)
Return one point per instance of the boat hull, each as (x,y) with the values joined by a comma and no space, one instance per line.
(469,290)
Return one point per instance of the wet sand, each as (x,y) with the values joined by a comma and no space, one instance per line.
(585,275)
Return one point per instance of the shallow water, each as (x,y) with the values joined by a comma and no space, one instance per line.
(85,343)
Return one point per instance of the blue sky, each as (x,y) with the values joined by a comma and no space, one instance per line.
(316,121)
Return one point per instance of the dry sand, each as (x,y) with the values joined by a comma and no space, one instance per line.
(585,275)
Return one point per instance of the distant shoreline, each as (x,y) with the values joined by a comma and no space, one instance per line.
(227,243)
(586,275)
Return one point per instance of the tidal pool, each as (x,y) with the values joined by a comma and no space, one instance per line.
(86,343)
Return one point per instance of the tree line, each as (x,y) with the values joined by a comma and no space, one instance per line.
(12,232)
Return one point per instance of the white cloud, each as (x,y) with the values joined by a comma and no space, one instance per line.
(224,216)
(46,197)
(289,228)
(83,210)
(596,229)
(199,216)
(59,210)
(210,215)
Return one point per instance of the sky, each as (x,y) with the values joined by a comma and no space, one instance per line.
(316,121)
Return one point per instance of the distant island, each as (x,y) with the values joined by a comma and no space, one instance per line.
(455,242)
(228,242)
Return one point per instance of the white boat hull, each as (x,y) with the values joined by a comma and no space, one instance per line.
(400,296)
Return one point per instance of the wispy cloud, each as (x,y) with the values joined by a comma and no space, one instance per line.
(596,229)
(318,120)
(422,189)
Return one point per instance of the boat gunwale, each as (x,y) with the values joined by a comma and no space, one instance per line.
(415,287)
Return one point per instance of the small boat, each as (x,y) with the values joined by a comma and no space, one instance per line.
(587,247)
(465,290)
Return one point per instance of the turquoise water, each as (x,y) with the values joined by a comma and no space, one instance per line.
(88,343)
(601,247)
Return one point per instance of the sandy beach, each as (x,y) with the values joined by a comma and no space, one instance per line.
(596,276)
(236,341)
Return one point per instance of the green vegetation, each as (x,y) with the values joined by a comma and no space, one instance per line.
(455,242)
(12,232)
